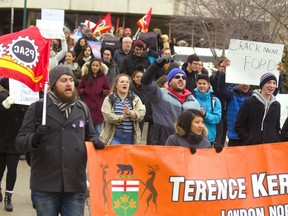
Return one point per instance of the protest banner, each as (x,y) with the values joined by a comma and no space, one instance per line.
(24,56)
(169,180)
(251,59)
(21,93)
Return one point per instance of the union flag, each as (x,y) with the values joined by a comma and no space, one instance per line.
(24,56)
(104,24)
(144,22)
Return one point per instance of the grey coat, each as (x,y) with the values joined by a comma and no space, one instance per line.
(59,163)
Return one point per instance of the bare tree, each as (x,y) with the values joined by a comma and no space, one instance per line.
(218,21)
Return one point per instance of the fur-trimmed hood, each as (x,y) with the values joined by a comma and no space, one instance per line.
(85,67)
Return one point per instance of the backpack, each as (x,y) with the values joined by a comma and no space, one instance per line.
(114,42)
(131,96)
(38,120)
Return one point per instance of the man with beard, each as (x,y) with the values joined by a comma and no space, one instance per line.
(167,103)
(57,149)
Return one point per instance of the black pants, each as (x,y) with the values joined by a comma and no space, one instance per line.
(11,161)
(234,142)
(221,130)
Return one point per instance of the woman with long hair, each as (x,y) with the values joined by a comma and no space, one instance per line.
(93,88)
(122,111)
(79,45)
(86,55)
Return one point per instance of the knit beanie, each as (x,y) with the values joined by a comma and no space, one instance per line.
(58,71)
(173,72)
(266,77)
(138,43)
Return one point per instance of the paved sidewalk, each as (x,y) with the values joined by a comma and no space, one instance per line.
(21,195)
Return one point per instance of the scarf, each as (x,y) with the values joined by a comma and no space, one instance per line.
(65,108)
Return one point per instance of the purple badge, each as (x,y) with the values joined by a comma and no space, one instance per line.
(81,124)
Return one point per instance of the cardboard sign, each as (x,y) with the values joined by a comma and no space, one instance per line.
(52,14)
(283,100)
(21,93)
(50,29)
(250,60)
(169,180)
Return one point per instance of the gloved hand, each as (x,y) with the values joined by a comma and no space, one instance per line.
(42,130)
(218,147)
(98,144)
(193,150)
(8,102)
(163,60)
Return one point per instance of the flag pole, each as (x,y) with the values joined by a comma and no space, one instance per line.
(44,104)
(135,36)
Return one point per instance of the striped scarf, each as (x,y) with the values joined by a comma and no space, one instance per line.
(65,108)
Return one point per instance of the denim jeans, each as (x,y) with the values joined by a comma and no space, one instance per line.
(53,203)
(98,128)
(122,138)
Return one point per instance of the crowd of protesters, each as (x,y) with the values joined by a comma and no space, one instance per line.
(122,90)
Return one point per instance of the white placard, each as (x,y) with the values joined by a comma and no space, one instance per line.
(283,100)
(53,14)
(250,60)
(21,93)
(50,29)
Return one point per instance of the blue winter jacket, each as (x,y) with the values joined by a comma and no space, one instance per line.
(234,99)
(212,107)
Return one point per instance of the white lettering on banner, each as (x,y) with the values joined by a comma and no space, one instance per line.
(278,210)
(24,51)
(264,185)
(209,190)
(259,211)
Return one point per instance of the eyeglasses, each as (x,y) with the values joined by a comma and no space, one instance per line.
(178,77)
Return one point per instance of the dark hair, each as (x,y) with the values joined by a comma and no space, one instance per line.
(106,48)
(81,55)
(89,76)
(192,58)
(185,119)
(203,76)
(139,69)
(72,53)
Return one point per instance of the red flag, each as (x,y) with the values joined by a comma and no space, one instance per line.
(104,24)
(144,22)
(24,56)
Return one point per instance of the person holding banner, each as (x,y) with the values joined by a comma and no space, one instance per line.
(258,119)
(210,105)
(11,116)
(190,131)
(167,103)
(57,147)
(122,111)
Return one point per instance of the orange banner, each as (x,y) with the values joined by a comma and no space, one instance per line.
(166,180)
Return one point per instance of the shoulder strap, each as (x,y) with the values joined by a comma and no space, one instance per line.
(85,110)
(213,101)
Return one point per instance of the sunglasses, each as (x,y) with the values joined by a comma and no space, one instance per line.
(178,77)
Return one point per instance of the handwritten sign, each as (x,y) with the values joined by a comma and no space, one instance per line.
(283,100)
(250,60)
(52,14)
(21,93)
(50,29)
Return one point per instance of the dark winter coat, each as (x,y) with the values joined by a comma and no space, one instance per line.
(284,131)
(130,63)
(59,163)
(253,127)
(191,78)
(11,121)
(119,56)
(94,95)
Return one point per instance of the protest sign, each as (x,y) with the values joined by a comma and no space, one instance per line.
(251,59)
(169,180)
(283,100)
(53,14)
(21,93)
(50,29)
